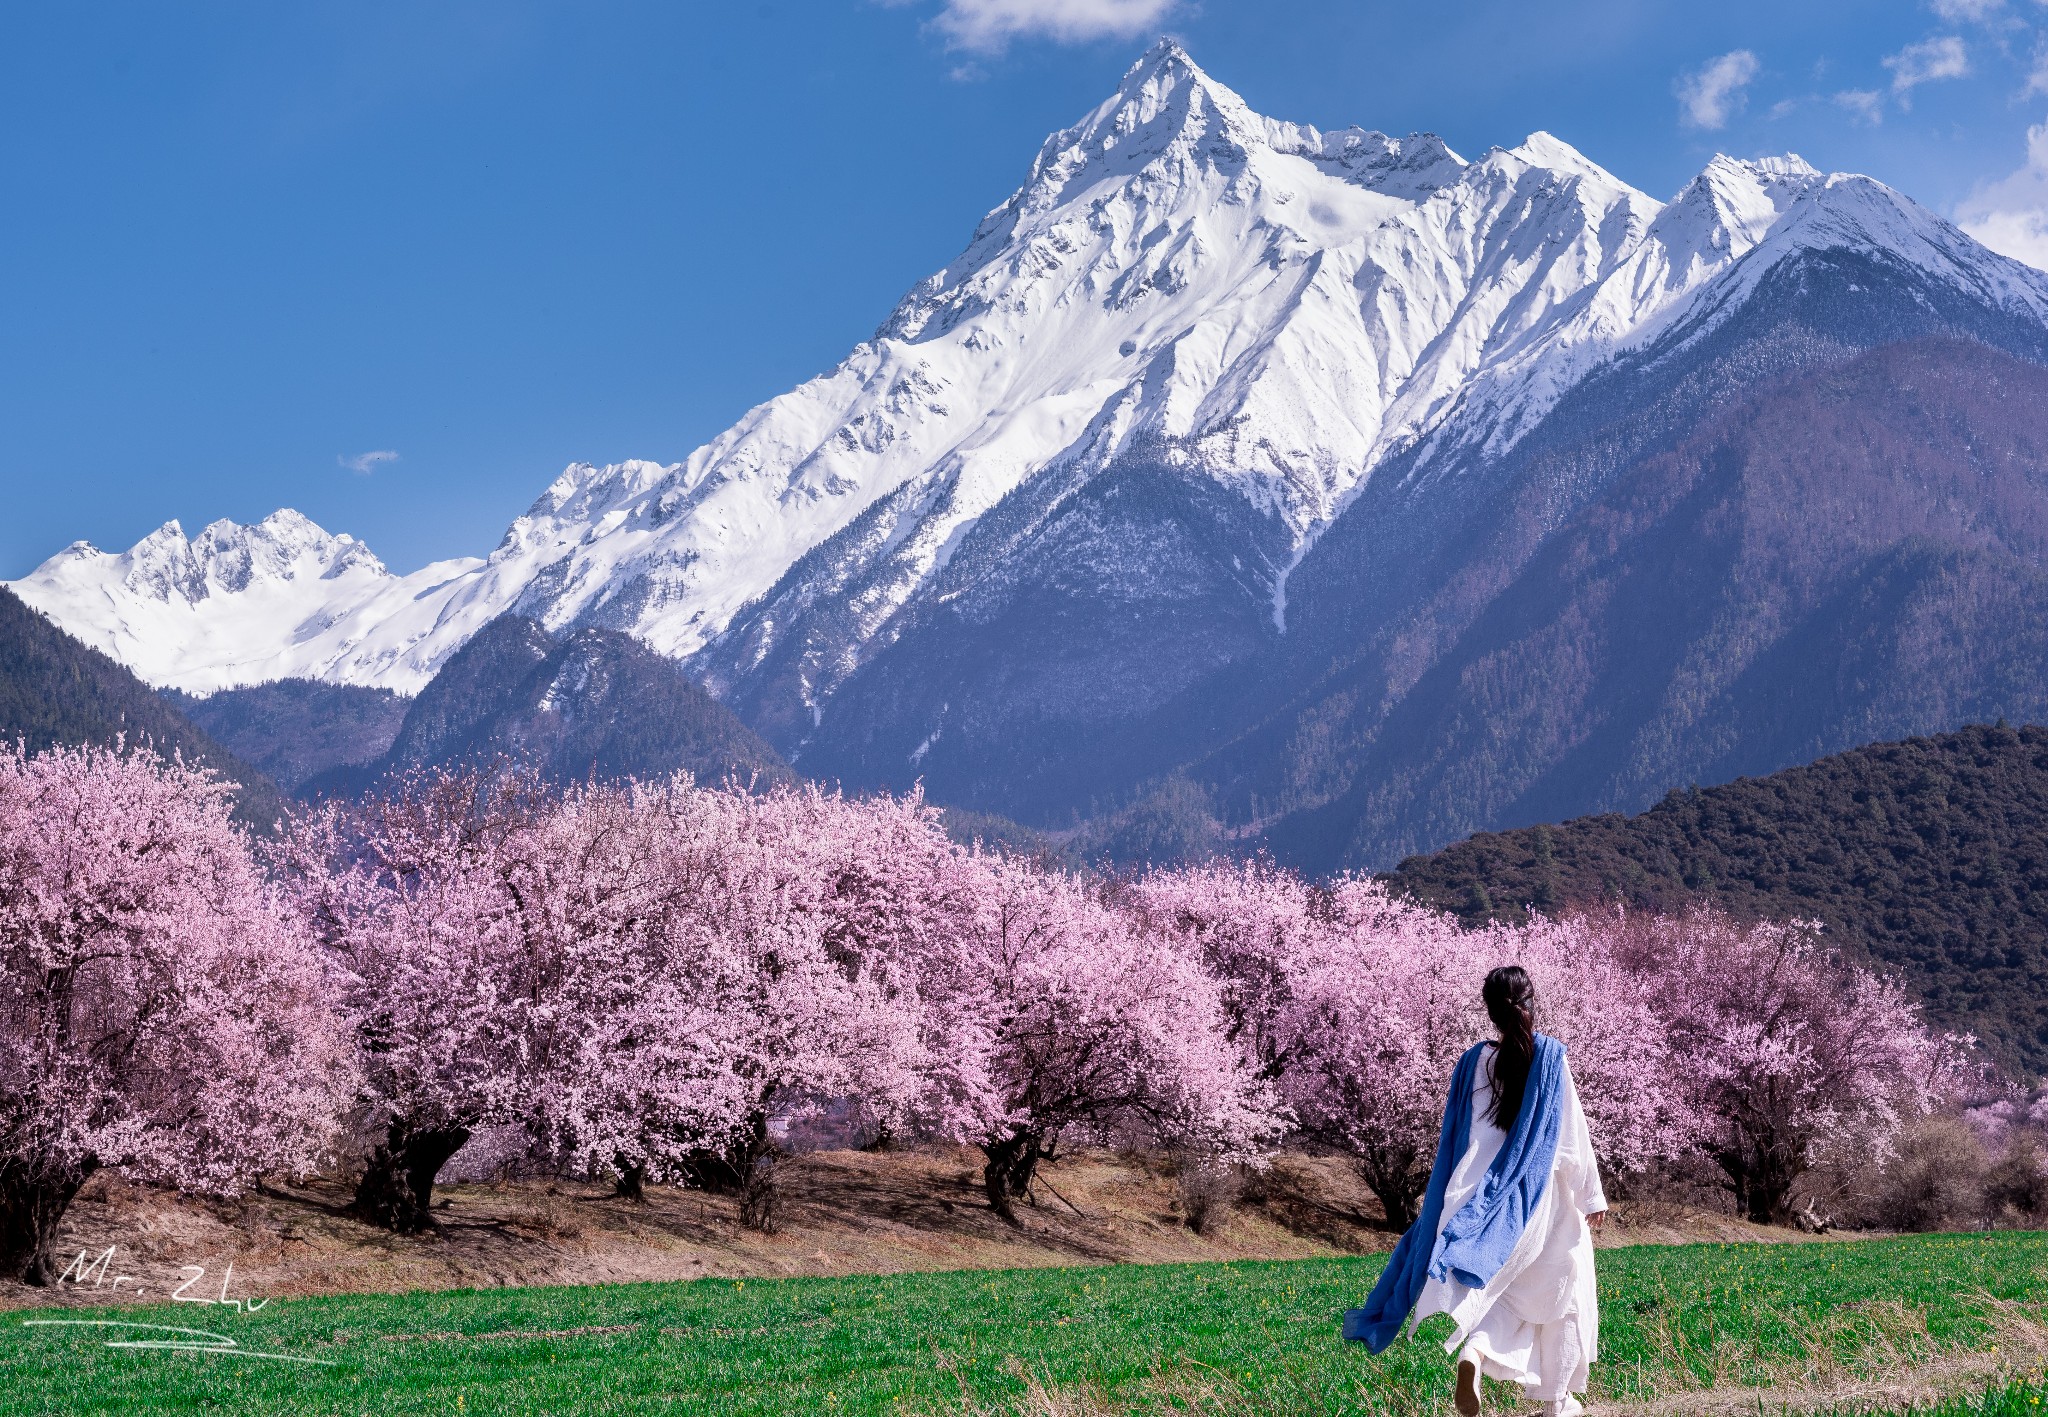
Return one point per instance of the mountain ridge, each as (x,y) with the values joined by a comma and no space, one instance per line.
(1262,274)
(590,704)
(1243,461)
(57,692)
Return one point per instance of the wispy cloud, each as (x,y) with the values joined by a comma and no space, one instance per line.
(1958,12)
(1712,95)
(1927,62)
(2037,77)
(987,26)
(363,464)
(2011,214)
(1866,104)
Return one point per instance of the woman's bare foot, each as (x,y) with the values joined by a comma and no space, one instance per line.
(1468,1387)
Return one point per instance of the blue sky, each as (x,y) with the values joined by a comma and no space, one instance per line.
(245,243)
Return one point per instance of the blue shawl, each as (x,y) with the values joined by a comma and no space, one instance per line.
(1479,1238)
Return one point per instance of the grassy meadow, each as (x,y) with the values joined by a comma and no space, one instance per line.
(1685,1328)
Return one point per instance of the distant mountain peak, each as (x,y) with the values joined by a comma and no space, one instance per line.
(247,604)
(1786,165)
(1547,150)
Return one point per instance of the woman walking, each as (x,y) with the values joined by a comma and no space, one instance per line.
(1504,1242)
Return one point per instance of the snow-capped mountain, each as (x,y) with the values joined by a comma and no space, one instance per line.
(249,604)
(1156,376)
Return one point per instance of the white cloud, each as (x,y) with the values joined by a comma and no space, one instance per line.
(985,26)
(2037,78)
(363,464)
(1866,104)
(1964,11)
(1709,98)
(1927,61)
(2011,215)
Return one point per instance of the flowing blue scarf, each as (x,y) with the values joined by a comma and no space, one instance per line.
(1479,1238)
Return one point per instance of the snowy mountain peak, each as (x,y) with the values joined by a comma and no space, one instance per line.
(1727,209)
(227,557)
(245,604)
(1545,150)
(1785,165)
(1261,310)
(1163,97)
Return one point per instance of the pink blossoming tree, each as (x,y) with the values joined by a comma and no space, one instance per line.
(410,895)
(758,1001)
(1788,1055)
(1620,1045)
(1074,1023)
(1357,1005)
(161,1012)
(1395,993)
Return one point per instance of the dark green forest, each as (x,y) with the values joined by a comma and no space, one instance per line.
(53,689)
(296,729)
(1928,857)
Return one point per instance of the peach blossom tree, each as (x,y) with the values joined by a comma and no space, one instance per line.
(161,1011)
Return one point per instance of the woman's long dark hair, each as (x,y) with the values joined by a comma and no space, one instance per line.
(1511,1004)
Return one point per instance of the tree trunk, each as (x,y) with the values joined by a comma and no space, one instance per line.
(713,1171)
(632,1182)
(761,1195)
(1024,1168)
(32,1202)
(1393,1178)
(397,1188)
(1762,1175)
(1011,1164)
(752,1162)
(1400,1209)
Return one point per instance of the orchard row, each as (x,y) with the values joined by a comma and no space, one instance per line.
(644,980)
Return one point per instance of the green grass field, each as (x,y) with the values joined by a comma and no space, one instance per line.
(1226,1338)
(2007,1400)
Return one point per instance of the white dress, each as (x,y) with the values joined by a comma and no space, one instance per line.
(1537,1322)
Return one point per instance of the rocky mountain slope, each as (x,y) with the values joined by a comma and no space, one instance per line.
(1848,552)
(590,704)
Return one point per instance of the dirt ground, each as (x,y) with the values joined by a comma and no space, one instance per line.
(843,1212)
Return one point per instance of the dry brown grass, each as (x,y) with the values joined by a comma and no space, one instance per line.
(844,1213)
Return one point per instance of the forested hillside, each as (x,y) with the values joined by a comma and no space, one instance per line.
(1929,856)
(296,729)
(55,690)
(596,703)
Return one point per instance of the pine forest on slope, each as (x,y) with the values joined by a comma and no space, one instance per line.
(596,704)
(1929,856)
(55,691)
(296,730)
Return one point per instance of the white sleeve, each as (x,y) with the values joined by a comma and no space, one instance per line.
(1575,1158)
